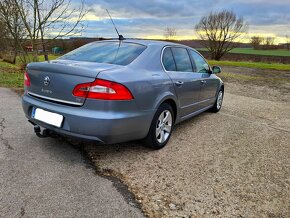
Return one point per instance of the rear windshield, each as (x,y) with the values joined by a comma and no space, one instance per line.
(106,52)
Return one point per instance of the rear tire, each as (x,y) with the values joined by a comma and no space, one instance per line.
(219,101)
(161,127)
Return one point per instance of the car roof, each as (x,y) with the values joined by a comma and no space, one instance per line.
(147,42)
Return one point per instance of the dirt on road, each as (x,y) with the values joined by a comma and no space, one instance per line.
(235,163)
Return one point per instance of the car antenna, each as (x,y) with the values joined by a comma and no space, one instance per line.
(119,36)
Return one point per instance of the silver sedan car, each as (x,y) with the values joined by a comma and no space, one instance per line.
(115,91)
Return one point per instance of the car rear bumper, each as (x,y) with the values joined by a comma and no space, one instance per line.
(104,126)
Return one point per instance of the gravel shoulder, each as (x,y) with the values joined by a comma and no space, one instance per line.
(231,164)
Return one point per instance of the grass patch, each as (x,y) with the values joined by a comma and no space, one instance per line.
(276,52)
(11,80)
(50,57)
(40,58)
(259,65)
(11,76)
(7,65)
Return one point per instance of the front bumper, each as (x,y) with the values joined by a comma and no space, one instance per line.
(105,126)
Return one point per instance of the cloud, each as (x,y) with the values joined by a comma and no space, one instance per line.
(149,17)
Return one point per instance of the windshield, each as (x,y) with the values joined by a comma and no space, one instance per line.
(120,53)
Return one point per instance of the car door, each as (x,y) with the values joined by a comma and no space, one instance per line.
(209,82)
(178,66)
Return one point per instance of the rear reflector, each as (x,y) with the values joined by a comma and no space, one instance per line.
(26,79)
(102,89)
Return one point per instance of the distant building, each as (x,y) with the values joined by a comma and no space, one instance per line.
(29,48)
(57,50)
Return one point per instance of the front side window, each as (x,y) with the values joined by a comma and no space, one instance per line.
(168,60)
(182,59)
(106,52)
(200,64)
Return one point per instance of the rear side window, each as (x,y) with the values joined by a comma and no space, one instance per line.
(200,64)
(106,52)
(182,59)
(168,61)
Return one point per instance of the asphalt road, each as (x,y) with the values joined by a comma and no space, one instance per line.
(49,177)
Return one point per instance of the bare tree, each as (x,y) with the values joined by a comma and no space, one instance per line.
(257,41)
(3,37)
(169,33)
(13,31)
(219,32)
(269,41)
(49,19)
(288,42)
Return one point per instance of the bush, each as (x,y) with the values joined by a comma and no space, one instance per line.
(8,57)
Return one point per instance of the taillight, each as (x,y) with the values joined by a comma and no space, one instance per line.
(102,89)
(26,79)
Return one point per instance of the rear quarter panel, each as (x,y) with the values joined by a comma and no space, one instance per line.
(148,88)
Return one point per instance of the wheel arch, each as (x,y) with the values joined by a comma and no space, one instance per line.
(221,86)
(172,102)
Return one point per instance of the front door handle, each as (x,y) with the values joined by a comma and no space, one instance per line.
(179,83)
(203,82)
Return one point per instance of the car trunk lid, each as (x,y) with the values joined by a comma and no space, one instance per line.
(54,81)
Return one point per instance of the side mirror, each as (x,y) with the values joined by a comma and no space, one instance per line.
(216,69)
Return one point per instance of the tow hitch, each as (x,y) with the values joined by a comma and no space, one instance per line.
(45,133)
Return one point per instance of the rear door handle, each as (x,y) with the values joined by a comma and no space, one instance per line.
(203,82)
(179,83)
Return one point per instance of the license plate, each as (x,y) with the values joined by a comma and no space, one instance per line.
(47,117)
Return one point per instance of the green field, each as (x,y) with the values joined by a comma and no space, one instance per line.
(259,65)
(278,52)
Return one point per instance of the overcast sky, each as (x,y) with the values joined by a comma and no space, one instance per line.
(148,18)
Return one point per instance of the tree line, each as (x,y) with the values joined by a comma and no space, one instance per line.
(260,42)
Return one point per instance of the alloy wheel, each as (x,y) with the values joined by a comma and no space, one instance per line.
(163,126)
(219,100)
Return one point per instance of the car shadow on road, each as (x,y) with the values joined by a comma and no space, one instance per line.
(133,147)
(61,148)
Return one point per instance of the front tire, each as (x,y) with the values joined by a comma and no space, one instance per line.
(219,101)
(161,127)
